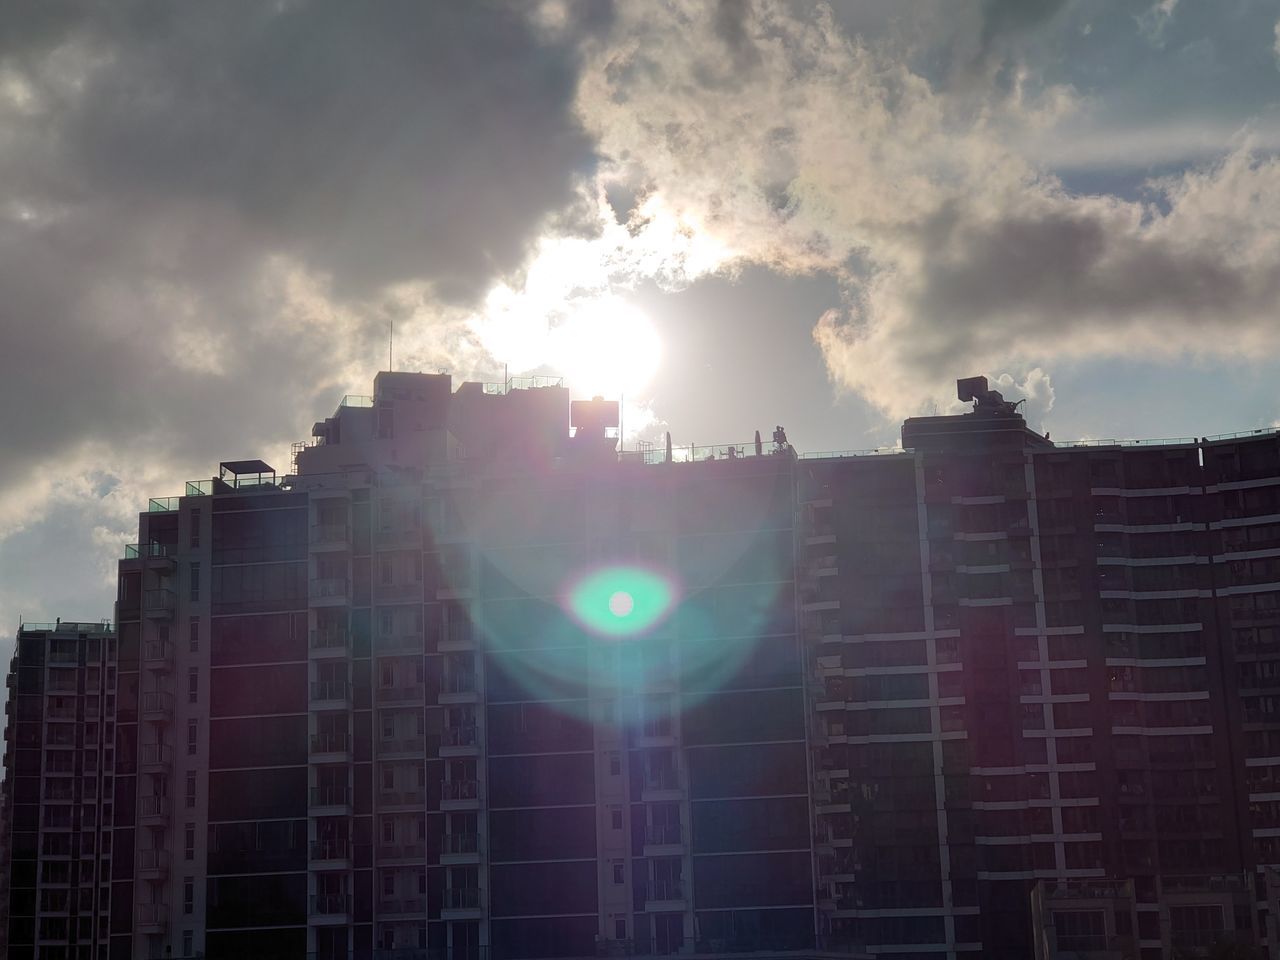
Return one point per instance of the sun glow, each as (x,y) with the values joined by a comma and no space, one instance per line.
(608,348)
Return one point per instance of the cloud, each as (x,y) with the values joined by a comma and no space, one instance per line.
(956,251)
(1153,21)
(208,218)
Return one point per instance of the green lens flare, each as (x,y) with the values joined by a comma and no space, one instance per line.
(620,601)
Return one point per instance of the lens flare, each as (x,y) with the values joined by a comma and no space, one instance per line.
(620,601)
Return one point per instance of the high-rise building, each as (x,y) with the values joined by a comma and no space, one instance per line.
(56,800)
(467,682)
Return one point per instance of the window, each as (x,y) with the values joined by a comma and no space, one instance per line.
(189,842)
(192,737)
(193,685)
(618,876)
(388,777)
(188,943)
(615,818)
(388,884)
(193,521)
(388,726)
(193,581)
(188,895)
(615,763)
(191,789)
(388,830)
(193,634)
(387,673)
(620,928)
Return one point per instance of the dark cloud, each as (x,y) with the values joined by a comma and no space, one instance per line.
(207,213)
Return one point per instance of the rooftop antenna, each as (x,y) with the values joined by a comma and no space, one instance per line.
(391,339)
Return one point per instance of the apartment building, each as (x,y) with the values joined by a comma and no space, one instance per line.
(58,792)
(468,682)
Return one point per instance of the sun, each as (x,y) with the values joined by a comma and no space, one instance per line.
(608,348)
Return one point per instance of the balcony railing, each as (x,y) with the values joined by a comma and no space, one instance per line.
(393,798)
(462,898)
(64,654)
(153,915)
(460,682)
(159,602)
(401,692)
(666,891)
(661,780)
(155,859)
(404,905)
(329,743)
(416,745)
(157,754)
(329,904)
(330,796)
(329,587)
(330,849)
(327,533)
(460,736)
(460,789)
(330,690)
(459,844)
(157,653)
(157,704)
(154,806)
(329,639)
(660,833)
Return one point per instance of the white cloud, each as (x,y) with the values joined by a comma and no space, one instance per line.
(790,145)
(1155,19)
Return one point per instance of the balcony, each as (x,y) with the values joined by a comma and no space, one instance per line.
(401,798)
(465,900)
(403,907)
(662,838)
(153,864)
(68,655)
(415,852)
(333,693)
(323,743)
(330,643)
(158,604)
(153,917)
(668,895)
(660,783)
(401,693)
(410,640)
(153,811)
(459,794)
(458,740)
(397,536)
(157,655)
(330,536)
(415,747)
(331,905)
(330,851)
(458,637)
(458,687)
(157,706)
(156,758)
(460,848)
(406,590)
(333,796)
(59,790)
(329,591)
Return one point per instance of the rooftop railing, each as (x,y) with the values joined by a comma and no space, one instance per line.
(70,626)
(356,400)
(1158,442)
(162,504)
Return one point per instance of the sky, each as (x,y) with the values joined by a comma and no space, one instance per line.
(733,215)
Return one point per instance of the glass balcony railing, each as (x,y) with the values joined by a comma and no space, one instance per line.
(462,898)
(163,504)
